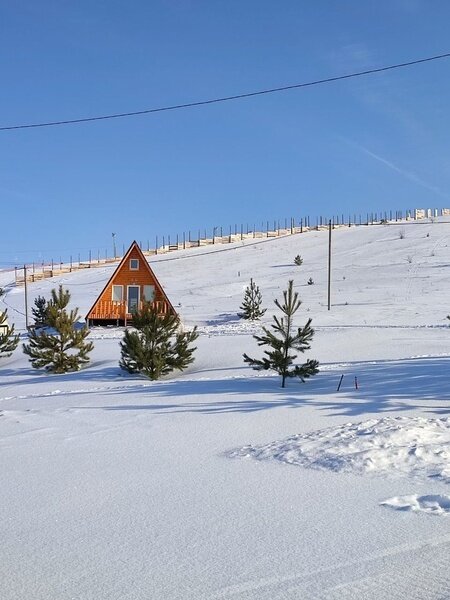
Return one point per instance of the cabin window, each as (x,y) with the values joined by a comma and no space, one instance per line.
(149,293)
(117,293)
(134,264)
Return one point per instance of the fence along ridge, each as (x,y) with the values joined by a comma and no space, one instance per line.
(34,272)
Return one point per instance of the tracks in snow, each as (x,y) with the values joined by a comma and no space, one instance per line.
(414,571)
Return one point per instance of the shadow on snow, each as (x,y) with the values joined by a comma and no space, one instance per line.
(383,386)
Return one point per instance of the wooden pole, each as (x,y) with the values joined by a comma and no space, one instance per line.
(329,265)
(26,295)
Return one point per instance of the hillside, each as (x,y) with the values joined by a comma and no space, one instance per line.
(117,487)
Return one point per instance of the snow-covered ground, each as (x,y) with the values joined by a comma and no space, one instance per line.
(115,487)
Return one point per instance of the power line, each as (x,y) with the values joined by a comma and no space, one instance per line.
(228,98)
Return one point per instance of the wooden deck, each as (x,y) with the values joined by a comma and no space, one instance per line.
(118,311)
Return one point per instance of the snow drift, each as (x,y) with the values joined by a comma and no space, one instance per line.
(390,446)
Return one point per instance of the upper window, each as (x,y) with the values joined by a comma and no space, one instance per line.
(117,293)
(134,264)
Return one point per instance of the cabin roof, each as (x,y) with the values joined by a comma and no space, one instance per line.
(134,246)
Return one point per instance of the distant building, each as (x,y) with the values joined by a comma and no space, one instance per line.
(131,283)
(4,327)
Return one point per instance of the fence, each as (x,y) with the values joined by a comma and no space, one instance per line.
(185,241)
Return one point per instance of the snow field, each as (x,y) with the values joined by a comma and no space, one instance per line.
(117,487)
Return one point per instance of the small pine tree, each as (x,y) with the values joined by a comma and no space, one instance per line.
(8,339)
(278,357)
(156,347)
(40,312)
(310,281)
(251,305)
(64,349)
(298,260)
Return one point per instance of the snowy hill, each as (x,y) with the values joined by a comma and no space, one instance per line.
(118,487)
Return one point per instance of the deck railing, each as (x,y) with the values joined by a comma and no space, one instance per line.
(109,310)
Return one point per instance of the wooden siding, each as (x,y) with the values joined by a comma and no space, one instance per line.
(106,309)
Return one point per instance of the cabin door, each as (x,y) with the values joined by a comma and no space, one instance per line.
(133,298)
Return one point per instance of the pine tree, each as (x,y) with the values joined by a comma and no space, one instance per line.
(8,339)
(65,348)
(156,346)
(298,260)
(310,281)
(40,312)
(278,358)
(251,305)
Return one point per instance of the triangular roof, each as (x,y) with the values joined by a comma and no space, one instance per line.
(134,247)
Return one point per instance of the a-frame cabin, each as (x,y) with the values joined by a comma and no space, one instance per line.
(131,283)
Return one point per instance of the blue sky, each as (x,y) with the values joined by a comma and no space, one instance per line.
(370,144)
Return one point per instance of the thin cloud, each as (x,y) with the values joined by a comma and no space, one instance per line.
(407,174)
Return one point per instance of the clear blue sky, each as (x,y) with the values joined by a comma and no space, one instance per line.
(371,144)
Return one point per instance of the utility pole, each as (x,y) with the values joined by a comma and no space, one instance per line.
(114,245)
(329,265)
(26,295)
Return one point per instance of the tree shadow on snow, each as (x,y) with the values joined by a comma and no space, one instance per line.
(383,387)
(94,373)
(223,318)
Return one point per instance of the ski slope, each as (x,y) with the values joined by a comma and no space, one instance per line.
(115,487)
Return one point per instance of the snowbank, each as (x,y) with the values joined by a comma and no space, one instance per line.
(433,504)
(393,445)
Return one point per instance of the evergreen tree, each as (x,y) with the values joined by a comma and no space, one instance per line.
(310,281)
(278,358)
(40,312)
(156,346)
(65,347)
(8,339)
(251,305)
(298,260)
